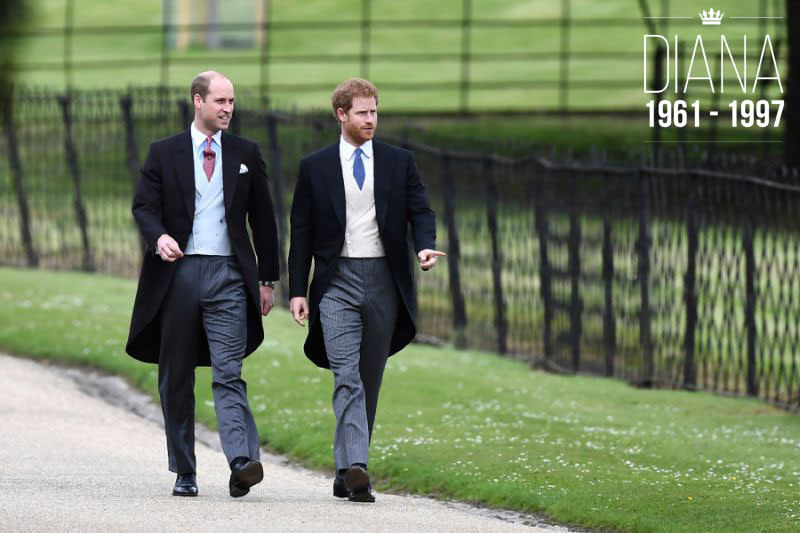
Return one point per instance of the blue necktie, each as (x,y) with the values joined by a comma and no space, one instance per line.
(358,169)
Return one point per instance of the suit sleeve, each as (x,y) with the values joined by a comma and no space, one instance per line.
(147,200)
(262,220)
(418,209)
(301,235)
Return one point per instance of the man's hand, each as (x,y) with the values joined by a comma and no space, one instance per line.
(299,308)
(267,296)
(427,258)
(168,249)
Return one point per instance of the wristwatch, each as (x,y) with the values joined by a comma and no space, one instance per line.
(270,284)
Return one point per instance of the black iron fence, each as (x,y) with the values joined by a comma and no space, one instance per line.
(661,276)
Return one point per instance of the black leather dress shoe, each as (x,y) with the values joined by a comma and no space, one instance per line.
(365,495)
(244,474)
(356,480)
(339,490)
(185,485)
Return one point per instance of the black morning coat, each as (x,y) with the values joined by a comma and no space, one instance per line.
(164,202)
(318,227)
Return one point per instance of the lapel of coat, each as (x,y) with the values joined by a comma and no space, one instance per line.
(382,167)
(231,160)
(335,181)
(184,167)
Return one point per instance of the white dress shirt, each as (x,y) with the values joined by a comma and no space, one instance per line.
(362,238)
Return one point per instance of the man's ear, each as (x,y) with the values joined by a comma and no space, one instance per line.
(341,115)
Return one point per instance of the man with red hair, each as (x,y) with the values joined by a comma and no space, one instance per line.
(353,203)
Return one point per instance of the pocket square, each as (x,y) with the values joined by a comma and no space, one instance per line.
(242,168)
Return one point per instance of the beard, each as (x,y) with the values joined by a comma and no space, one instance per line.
(360,134)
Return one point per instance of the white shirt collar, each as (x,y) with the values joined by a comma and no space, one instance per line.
(198,138)
(346,150)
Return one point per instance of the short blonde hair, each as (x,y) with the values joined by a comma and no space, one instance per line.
(347,90)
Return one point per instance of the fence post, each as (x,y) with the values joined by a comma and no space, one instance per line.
(714,129)
(658,77)
(414,303)
(126,103)
(414,264)
(609,325)
(763,90)
(690,285)
(366,22)
(681,133)
(236,122)
(750,303)
(264,56)
(454,255)
(545,276)
(466,24)
(164,63)
(643,248)
(491,215)
(319,132)
(74,169)
(186,118)
(564,56)
(574,268)
(69,26)
(763,12)
(15,165)
(276,157)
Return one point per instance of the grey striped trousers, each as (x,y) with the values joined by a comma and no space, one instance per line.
(358,314)
(207,294)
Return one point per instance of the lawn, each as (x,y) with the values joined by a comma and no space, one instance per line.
(469,425)
(499,51)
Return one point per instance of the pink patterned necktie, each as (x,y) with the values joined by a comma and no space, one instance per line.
(209,158)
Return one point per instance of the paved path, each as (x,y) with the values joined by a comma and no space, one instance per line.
(82,451)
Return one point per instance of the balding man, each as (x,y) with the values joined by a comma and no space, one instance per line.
(201,292)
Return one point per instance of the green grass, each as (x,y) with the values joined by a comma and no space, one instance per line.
(123,47)
(470,425)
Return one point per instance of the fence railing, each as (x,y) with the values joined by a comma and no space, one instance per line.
(661,276)
(546,52)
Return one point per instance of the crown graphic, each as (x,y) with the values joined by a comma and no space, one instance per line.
(711,17)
